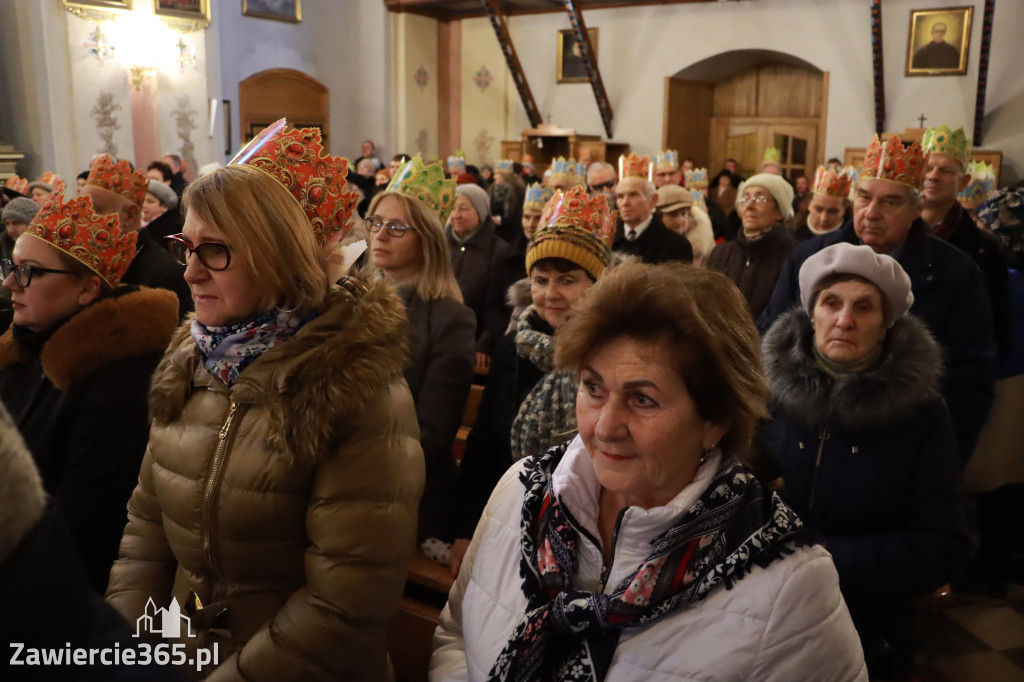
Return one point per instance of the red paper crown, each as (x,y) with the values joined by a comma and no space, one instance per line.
(830,183)
(17,184)
(119,178)
(316,179)
(578,209)
(50,178)
(890,161)
(633,166)
(576,227)
(94,240)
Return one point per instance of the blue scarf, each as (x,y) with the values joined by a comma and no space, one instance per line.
(227,350)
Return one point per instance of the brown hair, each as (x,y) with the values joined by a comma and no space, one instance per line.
(704,321)
(267,231)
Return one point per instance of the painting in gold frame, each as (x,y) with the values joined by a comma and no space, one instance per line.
(186,14)
(570,61)
(938,41)
(97,8)
(279,10)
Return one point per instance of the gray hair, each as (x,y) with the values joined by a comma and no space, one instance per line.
(598,166)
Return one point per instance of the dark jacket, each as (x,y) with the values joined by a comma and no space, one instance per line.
(153,267)
(439,374)
(753,266)
(473,263)
(178,183)
(167,223)
(489,448)
(77,394)
(949,296)
(869,462)
(656,244)
(509,268)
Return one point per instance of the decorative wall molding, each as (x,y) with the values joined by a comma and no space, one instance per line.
(185,120)
(421,77)
(483,78)
(106,122)
(483,142)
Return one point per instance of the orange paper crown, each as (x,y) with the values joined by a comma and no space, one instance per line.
(633,166)
(576,227)
(890,161)
(830,183)
(316,179)
(119,178)
(94,240)
(17,184)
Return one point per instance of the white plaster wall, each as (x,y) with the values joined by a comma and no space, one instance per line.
(416,106)
(484,111)
(640,46)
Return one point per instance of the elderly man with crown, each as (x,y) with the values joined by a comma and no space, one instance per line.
(949,291)
(667,170)
(640,231)
(948,153)
(76,363)
(115,188)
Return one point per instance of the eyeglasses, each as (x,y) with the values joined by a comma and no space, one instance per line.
(213,255)
(602,186)
(756,198)
(395,228)
(23,273)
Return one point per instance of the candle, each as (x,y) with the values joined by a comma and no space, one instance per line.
(620,167)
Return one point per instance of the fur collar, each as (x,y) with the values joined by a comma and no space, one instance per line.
(907,376)
(330,370)
(120,326)
(518,295)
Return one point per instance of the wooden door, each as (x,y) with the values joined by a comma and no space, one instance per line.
(268,95)
(689,106)
(745,139)
(797,145)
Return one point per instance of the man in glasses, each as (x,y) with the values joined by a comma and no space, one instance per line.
(601,179)
(116,188)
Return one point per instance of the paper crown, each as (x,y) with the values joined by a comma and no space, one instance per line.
(942,140)
(316,179)
(981,186)
(890,161)
(667,160)
(426,183)
(696,178)
(830,183)
(96,241)
(50,178)
(633,166)
(698,197)
(537,196)
(576,227)
(456,164)
(17,184)
(505,165)
(568,171)
(119,178)
(772,154)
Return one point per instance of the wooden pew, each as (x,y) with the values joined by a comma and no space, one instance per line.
(410,633)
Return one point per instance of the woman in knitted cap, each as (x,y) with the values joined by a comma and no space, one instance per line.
(755,258)
(76,363)
(527,406)
(866,443)
(407,245)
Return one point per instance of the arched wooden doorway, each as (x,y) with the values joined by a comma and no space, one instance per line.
(737,104)
(268,95)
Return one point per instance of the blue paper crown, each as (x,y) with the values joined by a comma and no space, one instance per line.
(456,164)
(667,159)
(505,165)
(537,196)
(697,177)
(567,167)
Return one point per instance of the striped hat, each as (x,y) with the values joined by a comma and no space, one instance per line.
(576,227)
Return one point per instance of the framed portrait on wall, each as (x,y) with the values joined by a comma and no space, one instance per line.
(570,61)
(96,9)
(937,41)
(280,10)
(187,14)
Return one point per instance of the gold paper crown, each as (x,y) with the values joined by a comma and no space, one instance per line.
(981,186)
(17,184)
(772,154)
(696,178)
(569,171)
(119,178)
(576,227)
(890,161)
(426,183)
(667,160)
(942,140)
(633,166)
(537,196)
(95,241)
(831,183)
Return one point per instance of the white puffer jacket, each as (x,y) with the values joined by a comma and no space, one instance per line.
(785,622)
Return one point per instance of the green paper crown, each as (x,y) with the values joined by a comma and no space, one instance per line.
(426,183)
(772,154)
(942,140)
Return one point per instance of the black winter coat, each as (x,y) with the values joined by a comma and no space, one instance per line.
(153,267)
(657,244)
(869,462)
(753,266)
(473,263)
(949,297)
(77,394)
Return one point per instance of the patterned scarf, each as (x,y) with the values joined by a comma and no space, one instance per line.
(226,351)
(571,634)
(547,416)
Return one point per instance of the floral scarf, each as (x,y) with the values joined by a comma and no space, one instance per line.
(571,634)
(547,416)
(226,351)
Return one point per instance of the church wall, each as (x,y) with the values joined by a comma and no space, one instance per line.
(639,47)
(416,98)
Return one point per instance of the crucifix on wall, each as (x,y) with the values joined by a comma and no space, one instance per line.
(922,119)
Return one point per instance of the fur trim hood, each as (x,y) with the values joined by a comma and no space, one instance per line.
(906,376)
(123,325)
(330,370)
(518,295)
(21,488)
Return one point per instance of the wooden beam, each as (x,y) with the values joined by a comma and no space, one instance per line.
(449,87)
(986,47)
(878,65)
(590,64)
(512,59)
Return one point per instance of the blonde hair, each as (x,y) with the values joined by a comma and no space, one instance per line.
(436,278)
(268,233)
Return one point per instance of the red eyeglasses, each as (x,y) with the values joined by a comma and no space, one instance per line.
(213,255)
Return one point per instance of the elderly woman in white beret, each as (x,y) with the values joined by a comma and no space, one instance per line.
(755,258)
(160,215)
(865,442)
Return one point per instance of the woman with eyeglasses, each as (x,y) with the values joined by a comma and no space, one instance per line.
(277,500)
(75,366)
(755,258)
(408,247)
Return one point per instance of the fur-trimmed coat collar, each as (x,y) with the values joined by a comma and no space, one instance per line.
(128,323)
(331,368)
(907,376)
